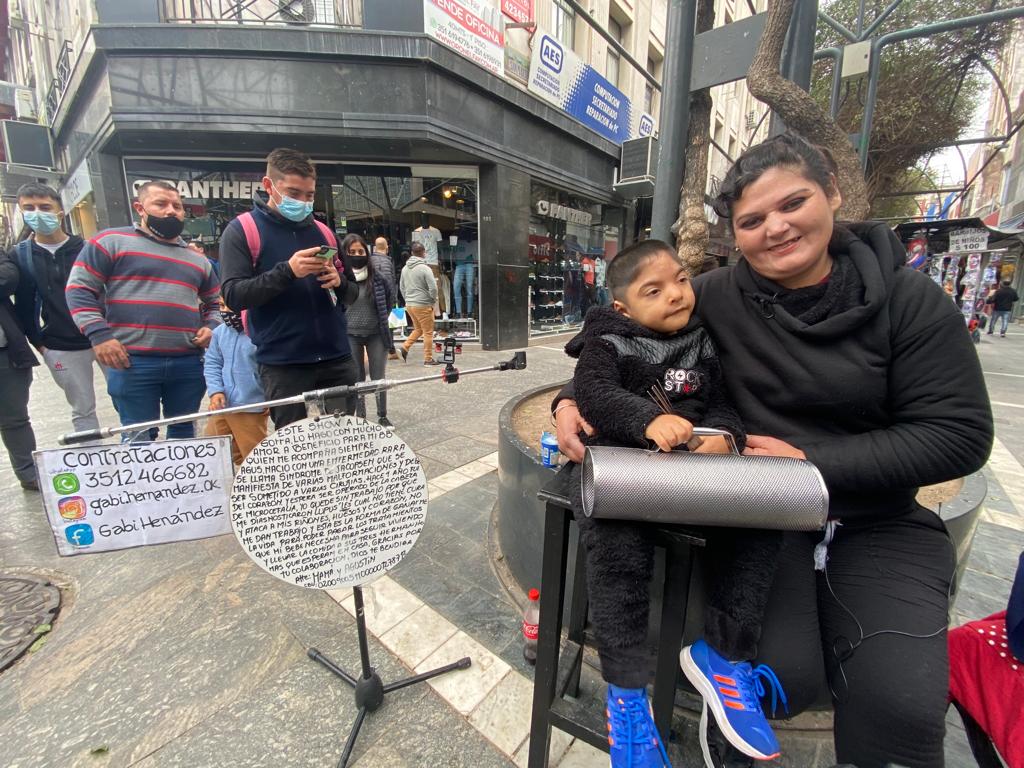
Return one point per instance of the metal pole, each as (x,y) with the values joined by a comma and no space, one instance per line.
(675,110)
(452,375)
(799,55)
(925,30)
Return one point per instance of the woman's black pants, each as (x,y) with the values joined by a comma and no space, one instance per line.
(841,627)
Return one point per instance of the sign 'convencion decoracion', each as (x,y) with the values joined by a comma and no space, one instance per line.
(105,497)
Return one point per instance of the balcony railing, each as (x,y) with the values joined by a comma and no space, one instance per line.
(62,75)
(333,13)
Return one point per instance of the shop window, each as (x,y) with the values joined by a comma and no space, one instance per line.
(565,23)
(570,246)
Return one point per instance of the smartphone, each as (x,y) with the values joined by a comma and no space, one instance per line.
(327,253)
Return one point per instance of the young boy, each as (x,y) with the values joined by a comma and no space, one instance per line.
(231,380)
(648,338)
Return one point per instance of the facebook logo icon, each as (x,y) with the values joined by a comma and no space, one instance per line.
(80,535)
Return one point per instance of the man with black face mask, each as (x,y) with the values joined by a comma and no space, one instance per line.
(147,304)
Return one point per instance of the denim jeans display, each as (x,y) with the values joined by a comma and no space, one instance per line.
(465,279)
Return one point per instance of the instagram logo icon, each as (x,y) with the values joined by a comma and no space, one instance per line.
(72,508)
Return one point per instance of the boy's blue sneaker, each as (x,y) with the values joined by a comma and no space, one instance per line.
(733,691)
(632,738)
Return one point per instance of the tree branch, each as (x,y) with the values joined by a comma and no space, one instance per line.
(800,112)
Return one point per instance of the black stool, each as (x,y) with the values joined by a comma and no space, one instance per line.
(552,681)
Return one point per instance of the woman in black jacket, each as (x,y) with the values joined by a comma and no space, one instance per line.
(837,353)
(369,336)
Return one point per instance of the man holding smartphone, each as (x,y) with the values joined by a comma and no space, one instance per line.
(291,287)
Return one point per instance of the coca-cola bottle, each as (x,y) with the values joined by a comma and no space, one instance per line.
(531,622)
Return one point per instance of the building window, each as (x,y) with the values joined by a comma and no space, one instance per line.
(565,24)
(612,70)
(650,96)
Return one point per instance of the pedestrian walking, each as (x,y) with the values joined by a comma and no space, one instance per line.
(44,261)
(420,291)
(1002,302)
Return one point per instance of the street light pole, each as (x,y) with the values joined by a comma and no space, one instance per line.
(675,111)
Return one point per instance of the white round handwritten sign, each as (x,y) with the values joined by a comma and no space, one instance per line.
(329,503)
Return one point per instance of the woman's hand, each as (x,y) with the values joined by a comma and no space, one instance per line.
(569,423)
(713,444)
(668,430)
(218,401)
(762,445)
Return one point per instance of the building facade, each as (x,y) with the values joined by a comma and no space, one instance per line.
(425,120)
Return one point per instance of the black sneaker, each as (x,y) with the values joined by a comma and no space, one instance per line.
(384,421)
(30,485)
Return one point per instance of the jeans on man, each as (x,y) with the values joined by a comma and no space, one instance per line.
(377,358)
(281,381)
(15,427)
(465,275)
(138,391)
(72,372)
(1002,315)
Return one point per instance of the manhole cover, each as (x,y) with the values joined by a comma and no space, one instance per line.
(26,603)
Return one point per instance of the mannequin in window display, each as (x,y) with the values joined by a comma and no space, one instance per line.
(464,257)
(429,237)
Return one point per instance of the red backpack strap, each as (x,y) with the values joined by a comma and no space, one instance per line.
(327,233)
(252,235)
(331,241)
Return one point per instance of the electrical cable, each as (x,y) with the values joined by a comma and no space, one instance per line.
(851,647)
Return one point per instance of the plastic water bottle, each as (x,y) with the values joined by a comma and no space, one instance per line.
(531,622)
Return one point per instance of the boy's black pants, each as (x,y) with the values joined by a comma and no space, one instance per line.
(620,562)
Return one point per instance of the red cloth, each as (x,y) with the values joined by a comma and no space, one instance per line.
(988,681)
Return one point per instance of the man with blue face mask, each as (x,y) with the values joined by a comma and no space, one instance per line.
(44,260)
(271,265)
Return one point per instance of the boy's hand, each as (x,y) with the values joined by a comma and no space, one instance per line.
(203,337)
(217,401)
(714,444)
(668,430)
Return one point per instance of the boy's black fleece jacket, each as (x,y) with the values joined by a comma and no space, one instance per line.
(619,362)
(883,397)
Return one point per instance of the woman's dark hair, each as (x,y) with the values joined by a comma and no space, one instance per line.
(787,150)
(356,239)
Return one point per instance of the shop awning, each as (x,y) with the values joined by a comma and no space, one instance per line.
(937,233)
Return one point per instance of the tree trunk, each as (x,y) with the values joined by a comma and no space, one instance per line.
(691,228)
(800,113)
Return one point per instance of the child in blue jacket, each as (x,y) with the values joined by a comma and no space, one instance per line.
(232,380)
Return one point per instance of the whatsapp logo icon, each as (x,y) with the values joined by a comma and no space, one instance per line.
(65,482)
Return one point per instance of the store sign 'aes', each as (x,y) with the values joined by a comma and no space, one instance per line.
(520,11)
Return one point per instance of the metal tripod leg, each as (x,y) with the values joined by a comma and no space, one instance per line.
(369,690)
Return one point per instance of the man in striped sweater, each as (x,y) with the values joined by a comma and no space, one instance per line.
(147,304)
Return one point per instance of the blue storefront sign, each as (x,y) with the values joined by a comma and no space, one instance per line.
(561,78)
